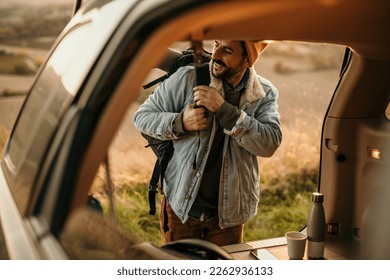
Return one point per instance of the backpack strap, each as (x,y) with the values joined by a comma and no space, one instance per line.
(153,187)
(202,78)
(203,74)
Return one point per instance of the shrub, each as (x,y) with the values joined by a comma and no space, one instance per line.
(283,206)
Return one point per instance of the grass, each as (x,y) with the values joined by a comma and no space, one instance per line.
(134,214)
(283,207)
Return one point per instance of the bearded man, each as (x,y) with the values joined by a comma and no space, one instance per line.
(211,184)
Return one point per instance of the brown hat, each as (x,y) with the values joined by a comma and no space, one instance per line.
(254,49)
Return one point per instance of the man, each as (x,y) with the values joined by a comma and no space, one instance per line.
(211,185)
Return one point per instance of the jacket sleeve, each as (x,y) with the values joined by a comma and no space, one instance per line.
(260,133)
(156,116)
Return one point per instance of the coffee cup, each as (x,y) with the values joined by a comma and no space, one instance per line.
(296,244)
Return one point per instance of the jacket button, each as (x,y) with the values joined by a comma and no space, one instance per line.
(197,174)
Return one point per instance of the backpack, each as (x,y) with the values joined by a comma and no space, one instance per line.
(163,149)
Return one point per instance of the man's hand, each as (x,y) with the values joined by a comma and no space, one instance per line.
(194,119)
(208,97)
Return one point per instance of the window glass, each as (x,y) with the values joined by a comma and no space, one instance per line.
(53,93)
(89,236)
(49,98)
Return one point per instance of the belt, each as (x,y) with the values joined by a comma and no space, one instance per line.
(203,215)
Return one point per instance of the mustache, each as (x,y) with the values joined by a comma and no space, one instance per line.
(219,62)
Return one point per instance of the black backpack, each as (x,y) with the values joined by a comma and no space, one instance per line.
(163,149)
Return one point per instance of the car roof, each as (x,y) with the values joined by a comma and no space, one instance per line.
(361,25)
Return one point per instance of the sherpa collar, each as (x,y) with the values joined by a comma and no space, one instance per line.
(253,92)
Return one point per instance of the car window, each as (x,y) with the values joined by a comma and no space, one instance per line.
(306,76)
(52,94)
(87,235)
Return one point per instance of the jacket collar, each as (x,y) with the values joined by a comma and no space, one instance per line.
(253,92)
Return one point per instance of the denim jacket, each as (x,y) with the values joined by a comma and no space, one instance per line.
(257,133)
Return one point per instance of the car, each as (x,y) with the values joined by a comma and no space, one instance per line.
(62,136)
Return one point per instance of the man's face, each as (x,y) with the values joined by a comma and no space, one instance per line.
(228,60)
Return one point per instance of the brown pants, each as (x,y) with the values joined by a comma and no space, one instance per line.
(173,229)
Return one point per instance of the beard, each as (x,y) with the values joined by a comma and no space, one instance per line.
(220,71)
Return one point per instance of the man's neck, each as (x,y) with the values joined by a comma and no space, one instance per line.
(234,81)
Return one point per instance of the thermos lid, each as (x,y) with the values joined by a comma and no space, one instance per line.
(317,197)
